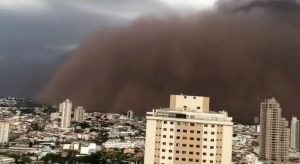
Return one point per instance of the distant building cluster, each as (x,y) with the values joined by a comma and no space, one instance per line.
(186,132)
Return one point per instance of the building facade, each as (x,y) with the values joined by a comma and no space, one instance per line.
(4,132)
(130,114)
(188,133)
(274,132)
(295,134)
(66,108)
(79,113)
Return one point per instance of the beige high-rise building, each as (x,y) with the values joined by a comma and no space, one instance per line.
(188,133)
(66,108)
(274,132)
(4,131)
(79,114)
(295,134)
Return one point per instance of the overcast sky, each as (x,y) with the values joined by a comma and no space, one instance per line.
(37,36)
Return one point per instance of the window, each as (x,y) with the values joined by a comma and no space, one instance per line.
(212,133)
(191,160)
(191,131)
(183,152)
(211,147)
(212,140)
(205,139)
(184,106)
(165,129)
(164,143)
(164,136)
(198,107)
(204,154)
(192,124)
(191,138)
(191,145)
(211,154)
(178,123)
(170,158)
(171,129)
(178,137)
(184,131)
(198,132)
(205,132)
(191,152)
(204,146)
(198,139)
(183,145)
(163,150)
(205,125)
(171,136)
(177,151)
(165,122)
(171,122)
(184,138)
(178,130)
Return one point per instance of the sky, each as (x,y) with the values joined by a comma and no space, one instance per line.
(38,36)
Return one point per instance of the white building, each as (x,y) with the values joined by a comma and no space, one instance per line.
(130,114)
(66,108)
(79,113)
(88,149)
(54,116)
(118,144)
(295,134)
(274,132)
(4,132)
(188,133)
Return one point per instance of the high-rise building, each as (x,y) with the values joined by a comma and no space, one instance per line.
(130,114)
(54,116)
(274,132)
(187,132)
(295,134)
(256,120)
(4,131)
(79,114)
(66,108)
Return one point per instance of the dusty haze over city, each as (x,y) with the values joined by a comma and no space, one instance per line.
(120,55)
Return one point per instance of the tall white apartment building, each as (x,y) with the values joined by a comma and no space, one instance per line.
(79,113)
(130,114)
(66,108)
(274,132)
(295,134)
(4,131)
(187,132)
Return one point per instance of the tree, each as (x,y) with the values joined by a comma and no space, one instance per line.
(16,157)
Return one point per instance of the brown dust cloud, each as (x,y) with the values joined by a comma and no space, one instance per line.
(239,54)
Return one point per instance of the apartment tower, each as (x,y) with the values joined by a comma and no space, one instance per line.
(274,132)
(187,132)
(79,114)
(130,114)
(66,109)
(295,134)
(4,131)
